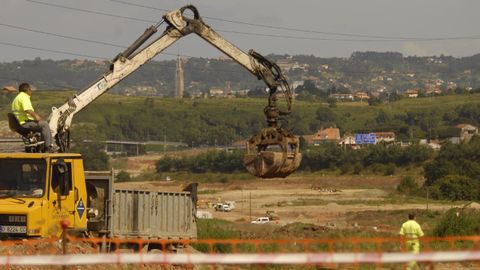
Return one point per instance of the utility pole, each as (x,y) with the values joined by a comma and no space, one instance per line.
(164,142)
(427,198)
(250,206)
(241,211)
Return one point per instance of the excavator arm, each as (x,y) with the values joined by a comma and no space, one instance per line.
(258,160)
(123,65)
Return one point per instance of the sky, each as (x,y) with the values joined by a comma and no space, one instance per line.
(100,29)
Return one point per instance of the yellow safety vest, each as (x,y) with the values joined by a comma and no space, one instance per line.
(20,104)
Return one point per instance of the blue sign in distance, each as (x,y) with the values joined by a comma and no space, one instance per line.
(369,138)
(80,208)
(358,138)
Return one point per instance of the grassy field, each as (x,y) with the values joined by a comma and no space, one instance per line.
(110,103)
(46,99)
(236,118)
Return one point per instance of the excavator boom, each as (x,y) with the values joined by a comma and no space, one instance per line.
(259,160)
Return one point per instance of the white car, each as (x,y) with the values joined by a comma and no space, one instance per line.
(261,220)
(223,207)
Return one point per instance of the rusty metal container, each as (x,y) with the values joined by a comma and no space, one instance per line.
(131,213)
(151,214)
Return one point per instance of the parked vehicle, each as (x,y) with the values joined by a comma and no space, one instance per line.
(222,207)
(204,214)
(261,220)
(38,190)
(231,204)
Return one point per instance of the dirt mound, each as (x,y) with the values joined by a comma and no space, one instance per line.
(474,205)
(301,230)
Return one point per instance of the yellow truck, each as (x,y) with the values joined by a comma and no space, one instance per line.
(39,190)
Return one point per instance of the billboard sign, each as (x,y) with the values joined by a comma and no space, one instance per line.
(368,138)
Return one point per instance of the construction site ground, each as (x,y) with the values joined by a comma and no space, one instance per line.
(369,203)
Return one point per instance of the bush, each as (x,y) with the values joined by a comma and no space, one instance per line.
(346,168)
(377,168)
(358,168)
(456,187)
(167,164)
(458,222)
(123,176)
(215,229)
(94,159)
(390,169)
(213,161)
(407,185)
(462,159)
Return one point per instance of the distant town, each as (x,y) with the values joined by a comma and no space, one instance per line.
(362,76)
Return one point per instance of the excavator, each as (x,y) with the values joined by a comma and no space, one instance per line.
(272,152)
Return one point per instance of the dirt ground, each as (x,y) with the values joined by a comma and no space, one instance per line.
(334,201)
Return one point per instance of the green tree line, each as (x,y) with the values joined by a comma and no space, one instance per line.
(455,172)
(379,158)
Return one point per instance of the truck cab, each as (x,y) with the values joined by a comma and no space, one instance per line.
(38,191)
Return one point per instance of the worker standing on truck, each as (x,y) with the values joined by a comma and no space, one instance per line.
(27,117)
(412,231)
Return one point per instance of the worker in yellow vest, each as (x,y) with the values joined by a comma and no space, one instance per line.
(27,117)
(412,231)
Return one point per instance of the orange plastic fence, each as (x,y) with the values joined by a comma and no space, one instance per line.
(266,248)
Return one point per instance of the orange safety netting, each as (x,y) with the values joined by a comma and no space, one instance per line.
(339,253)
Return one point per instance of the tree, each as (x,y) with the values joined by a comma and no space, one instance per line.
(407,185)
(332,102)
(94,159)
(462,159)
(87,141)
(310,88)
(458,222)
(325,115)
(383,117)
(373,101)
(456,187)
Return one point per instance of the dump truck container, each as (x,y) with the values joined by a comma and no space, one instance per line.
(135,213)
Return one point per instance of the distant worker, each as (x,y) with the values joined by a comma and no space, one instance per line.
(412,231)
(27,117)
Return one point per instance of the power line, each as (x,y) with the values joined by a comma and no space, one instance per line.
(139,5)
(110,44)
(352,40)
(59,35)
(75,38)
(87,56)
(49,50)
(121,46)
(375,38)
(392,38)
(90,11)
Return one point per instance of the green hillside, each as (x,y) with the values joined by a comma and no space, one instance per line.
(222,121)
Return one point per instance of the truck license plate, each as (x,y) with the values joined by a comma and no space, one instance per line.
(13,229)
